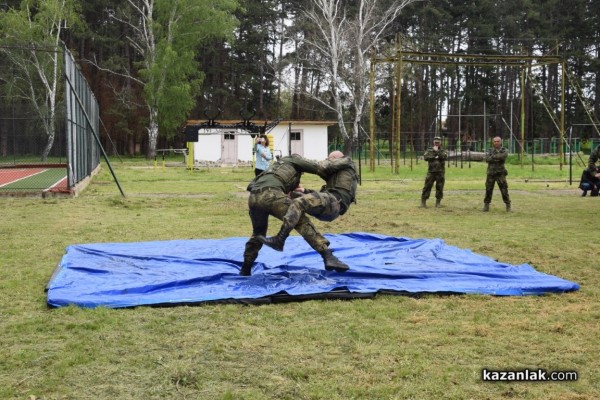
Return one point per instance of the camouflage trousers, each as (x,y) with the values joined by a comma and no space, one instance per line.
(439,179)
(492,179)
(276,203)
(321,205)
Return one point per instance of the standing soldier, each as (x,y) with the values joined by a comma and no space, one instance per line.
(436,157)
(496,172)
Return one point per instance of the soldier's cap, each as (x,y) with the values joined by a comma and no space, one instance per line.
(437,139)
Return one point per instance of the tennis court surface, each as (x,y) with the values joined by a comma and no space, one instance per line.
(33,180)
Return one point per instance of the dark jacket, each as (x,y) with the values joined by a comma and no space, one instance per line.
(286,172)
(594,156)
(589,178)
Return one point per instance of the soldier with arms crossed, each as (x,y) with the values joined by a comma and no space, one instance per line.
(496,173)
(436,157)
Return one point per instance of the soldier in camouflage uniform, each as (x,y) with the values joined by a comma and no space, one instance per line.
(591,175)
(496,173)
(589,181)
(330,202)
(436,157)
(270,195)
(594,157)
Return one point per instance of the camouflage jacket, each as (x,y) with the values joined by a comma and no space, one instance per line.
(594,156)
(343,182)
(495,159)
(286,172)
(436,159)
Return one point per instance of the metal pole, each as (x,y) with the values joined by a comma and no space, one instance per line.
(87,118)
(485,130)
(512,149)
(290,139)
(459,115)
(562,115)
(570,156)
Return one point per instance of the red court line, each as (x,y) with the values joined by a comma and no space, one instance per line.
(60,186)
(12,175)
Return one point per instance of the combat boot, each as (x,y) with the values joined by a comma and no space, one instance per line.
(278,241)
(508,208)
(486,207)
(423,203)
(332,262)
(438,203)
(246,269)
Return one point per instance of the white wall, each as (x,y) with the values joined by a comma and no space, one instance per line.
(314,140)
(207,148)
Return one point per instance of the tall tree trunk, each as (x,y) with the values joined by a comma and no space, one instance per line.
(152,131)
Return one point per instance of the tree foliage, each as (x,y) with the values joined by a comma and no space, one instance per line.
(154,63)
(165,35)
(31,36)
(508,27)
(344,39)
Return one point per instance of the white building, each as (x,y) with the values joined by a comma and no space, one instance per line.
(232,146)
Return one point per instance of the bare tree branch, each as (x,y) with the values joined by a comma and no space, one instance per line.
(344,44)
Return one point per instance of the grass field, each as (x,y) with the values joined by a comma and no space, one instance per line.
(389,347)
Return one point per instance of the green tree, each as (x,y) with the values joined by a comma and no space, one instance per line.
(31,35)
(240,73)
(165,35)
(341,42)
(103,44)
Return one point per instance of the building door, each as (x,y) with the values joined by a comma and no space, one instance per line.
(296,143)
(229,148)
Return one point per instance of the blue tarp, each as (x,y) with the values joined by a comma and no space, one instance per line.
(193,271)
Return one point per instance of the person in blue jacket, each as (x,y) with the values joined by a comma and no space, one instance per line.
(263,154)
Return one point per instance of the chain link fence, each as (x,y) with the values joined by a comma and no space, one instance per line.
(46,137)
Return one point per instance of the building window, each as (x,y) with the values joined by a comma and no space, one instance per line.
(295,135)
